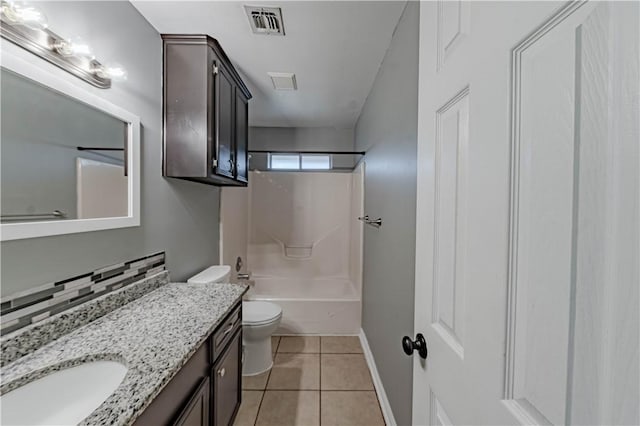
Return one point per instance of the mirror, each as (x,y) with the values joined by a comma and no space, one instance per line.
(83,148)
(69,159)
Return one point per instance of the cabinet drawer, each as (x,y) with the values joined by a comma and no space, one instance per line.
(225,332)
(227,379)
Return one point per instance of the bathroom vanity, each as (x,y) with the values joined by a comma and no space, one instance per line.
(181,345)
(207,390)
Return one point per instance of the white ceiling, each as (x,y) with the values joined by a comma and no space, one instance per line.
(334,47)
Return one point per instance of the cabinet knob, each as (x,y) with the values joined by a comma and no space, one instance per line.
(231,164)
(222,372)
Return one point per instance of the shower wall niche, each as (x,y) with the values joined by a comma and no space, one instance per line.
(299,224)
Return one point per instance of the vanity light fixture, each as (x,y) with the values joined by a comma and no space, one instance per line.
(27,27)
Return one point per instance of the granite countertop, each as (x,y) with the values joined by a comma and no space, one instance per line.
(154,336)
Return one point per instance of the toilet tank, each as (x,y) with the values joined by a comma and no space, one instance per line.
(213,274)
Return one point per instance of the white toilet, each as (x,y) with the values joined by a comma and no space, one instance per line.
(259,321)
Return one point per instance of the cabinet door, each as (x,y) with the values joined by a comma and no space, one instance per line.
(226,376)
(196,413)
(224,117)
(178,393)
(242,136)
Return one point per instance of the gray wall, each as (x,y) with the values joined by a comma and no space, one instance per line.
(300,138)
(177,216)
(387,129)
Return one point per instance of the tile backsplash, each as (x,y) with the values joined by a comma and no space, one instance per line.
(21,309)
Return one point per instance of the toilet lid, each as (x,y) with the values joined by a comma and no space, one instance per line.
(256,312)
(212,274)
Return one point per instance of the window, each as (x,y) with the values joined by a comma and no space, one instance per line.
(300,162)
(284,161)
(315,162)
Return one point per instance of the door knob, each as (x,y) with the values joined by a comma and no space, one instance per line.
(419,345)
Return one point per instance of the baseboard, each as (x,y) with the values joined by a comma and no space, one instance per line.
(377,382)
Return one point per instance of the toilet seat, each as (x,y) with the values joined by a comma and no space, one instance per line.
(260,313)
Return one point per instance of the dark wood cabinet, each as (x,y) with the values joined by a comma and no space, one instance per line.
(227,389)
(207,390)
(224,124)
(167,406)
(242,137)
(196,413)
(205,112)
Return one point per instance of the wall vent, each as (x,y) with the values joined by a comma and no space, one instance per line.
(283,80)
(265,20)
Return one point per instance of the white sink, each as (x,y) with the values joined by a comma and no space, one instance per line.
(64,397)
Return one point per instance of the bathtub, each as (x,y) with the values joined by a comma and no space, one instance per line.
(312,305)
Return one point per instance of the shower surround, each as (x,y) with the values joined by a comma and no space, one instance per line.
(304,248)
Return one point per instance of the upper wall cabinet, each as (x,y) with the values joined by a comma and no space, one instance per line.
(205,113)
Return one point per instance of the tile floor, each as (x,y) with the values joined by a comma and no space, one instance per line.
(314,381)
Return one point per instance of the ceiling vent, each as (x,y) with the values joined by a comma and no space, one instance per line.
(283,80)
(265,20)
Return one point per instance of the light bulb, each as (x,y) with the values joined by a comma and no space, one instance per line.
(117,73)
(19,13)
(73,47)
(114,72)
(81,49)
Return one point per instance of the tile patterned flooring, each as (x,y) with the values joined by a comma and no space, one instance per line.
(315,381)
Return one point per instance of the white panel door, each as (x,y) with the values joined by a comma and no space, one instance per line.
(527,253)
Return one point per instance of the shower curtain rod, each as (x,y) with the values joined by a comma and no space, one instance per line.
(98,148)
(268,151)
